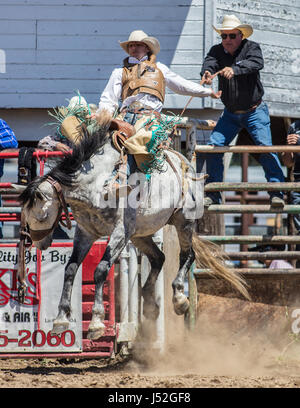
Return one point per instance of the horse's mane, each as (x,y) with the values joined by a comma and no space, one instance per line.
(68,165)
(65,169)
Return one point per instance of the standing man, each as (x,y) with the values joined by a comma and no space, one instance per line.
(136,92)
(7,141)
(238,61)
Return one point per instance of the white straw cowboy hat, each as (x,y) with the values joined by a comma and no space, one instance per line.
(140,36)
(231,22)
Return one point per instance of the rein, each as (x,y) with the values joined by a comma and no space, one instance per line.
(184,173)
(184,167)
(62,201)
(190,100)
(25,242)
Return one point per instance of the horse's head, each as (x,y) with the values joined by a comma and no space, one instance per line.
(42,210)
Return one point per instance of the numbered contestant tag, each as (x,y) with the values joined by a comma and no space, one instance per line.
(27,327)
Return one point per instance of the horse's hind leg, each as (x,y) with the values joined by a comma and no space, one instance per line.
(184,229)
(82,245)
(156,259)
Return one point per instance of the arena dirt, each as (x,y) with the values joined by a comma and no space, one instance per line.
(213,356)
(201,365)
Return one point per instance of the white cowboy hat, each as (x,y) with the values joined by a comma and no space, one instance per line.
(231,22)
(140,36)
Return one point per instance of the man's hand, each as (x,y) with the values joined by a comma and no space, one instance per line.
(211,123)
(292,139)
(216,95)
(288,157)
(227,72)
(207,78)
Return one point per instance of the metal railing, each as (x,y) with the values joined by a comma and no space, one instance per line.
(245,239)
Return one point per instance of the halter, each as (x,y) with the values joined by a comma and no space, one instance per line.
(37,235)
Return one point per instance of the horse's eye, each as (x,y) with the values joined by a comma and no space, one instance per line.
(39,195)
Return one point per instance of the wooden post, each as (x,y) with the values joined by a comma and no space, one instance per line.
(190,317)
(290,177)
(244,217)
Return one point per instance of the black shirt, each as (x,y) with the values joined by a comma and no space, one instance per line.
(245,89)
(295,129)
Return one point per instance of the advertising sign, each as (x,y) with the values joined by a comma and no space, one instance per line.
(27,327)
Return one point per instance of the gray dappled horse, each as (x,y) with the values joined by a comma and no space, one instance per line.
(151,205)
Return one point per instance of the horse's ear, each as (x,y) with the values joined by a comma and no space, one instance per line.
(104,118)
(18,187)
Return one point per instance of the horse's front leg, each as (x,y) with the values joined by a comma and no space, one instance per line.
(113,250)
(82,245)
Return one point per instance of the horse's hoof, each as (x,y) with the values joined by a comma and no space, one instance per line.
(181,305)
(95,334)
(59,327)
(151,312)
(95,331)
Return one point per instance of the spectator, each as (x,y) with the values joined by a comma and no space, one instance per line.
(7,141)
(238,61)
(275,263)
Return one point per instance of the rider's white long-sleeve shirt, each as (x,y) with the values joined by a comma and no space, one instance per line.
(112,93)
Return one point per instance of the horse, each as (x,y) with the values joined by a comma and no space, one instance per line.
(79,179)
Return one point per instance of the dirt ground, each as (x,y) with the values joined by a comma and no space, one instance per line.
(48,373)
(208,362)
(235,344)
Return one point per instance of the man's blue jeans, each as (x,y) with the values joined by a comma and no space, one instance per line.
(257,123)
(295,200)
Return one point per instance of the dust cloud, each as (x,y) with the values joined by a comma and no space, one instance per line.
(232,337)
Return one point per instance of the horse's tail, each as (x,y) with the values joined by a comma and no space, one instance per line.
(211,257)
